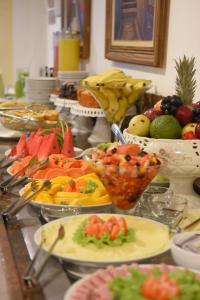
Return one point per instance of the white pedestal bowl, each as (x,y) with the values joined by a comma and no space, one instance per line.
(182,162)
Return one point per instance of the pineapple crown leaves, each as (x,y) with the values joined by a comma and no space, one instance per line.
(185,81)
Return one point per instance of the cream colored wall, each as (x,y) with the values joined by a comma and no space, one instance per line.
(183,38)
(6,59)
(29,35)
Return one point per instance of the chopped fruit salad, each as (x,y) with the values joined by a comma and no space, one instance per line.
(84,190)
(110,232)
(126,171)
(139,283)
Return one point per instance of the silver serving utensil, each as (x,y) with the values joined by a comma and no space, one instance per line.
(5,183)
(21,179)
(15,207)
(84,153)
(118,134)
(31,277)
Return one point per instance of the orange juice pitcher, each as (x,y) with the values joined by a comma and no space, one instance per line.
(69,52)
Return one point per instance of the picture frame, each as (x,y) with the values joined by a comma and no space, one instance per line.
(78,12)
(136,31)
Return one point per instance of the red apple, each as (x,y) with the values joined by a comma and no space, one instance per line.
(152,113)
(184,115)
(197,130)
(196,105)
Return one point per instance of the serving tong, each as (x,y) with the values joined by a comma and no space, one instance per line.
(14,180)
(21,202)
(31,276)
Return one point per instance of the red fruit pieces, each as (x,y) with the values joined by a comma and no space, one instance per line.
(184,115)
(97,227)
(162,288)
(131,149)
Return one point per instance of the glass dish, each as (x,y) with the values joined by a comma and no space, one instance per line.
(125,186)
(24,123)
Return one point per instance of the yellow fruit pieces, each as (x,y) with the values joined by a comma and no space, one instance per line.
(115,92)
(84,190)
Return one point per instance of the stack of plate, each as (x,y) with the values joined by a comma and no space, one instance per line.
(72,76)
(39,89)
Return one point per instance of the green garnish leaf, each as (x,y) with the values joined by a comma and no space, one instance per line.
(91,187)
(80,237)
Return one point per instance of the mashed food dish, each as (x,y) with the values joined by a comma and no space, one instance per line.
(151,238)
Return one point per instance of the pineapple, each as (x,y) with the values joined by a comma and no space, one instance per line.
(185,81)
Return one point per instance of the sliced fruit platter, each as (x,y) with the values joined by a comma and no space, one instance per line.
(142,282)
(86,190)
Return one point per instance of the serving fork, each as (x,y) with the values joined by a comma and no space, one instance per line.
(17,180)
(30,276)
(6,182)
(21,202)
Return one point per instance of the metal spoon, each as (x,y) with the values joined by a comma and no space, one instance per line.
(118,134)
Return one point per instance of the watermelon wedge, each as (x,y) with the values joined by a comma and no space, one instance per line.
(21,148)
(48,146)
(68,146)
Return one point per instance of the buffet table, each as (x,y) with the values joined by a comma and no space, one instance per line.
(17,248)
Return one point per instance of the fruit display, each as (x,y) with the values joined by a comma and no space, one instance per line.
(115,92)
(65,190)
(126,171)
(45,142)
(58,165)
(142,282)
(175,116)
(168,119)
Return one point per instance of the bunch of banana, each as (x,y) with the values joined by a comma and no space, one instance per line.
(115,92)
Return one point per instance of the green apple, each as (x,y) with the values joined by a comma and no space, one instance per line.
(139,125)
(189,127)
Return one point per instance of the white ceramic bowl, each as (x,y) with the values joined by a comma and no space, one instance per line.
(182,257)
(183,161)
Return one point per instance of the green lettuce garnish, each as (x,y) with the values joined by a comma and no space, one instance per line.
(129,287)
(81,238)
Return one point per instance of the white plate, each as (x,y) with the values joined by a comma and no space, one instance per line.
(82,283)
(88,256)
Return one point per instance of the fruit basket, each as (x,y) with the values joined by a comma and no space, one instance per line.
(183,162)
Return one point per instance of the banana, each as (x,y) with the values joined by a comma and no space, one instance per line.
(132,98)
(103,101)
(136,81)
(103,78)
(123,106)
(128,89)
(112,100)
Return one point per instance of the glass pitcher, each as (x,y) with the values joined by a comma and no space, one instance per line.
(69,51)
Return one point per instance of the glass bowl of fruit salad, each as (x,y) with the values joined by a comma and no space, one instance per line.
(126,171)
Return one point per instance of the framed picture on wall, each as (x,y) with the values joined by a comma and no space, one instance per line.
(136,31)
(75,16)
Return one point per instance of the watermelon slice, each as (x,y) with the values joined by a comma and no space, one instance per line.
(48,146)
(68,147)
(30,141)
(21,148)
